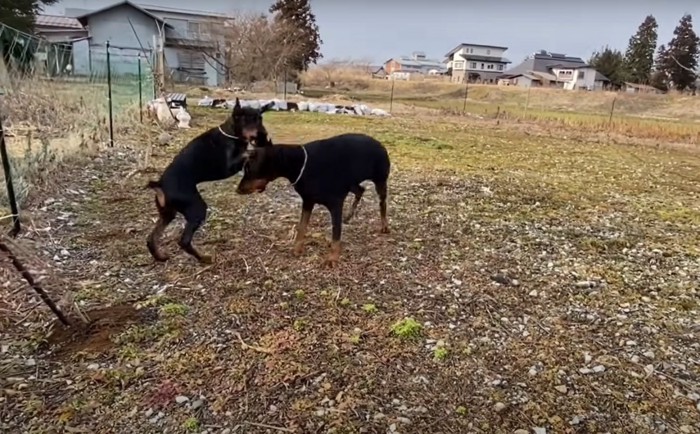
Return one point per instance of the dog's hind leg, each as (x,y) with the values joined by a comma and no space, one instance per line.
(358,191)
(165,216)
(336,211)
(195,214)
(381,188)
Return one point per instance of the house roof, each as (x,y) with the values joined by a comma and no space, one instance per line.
(543,61)
(84,17)
(485,58)
(405,61)
(58,21)
(155,9)
(455,49)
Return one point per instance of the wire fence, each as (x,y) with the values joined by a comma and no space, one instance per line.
(58,98)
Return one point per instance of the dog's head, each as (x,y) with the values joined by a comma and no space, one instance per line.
(247,123)
(258,170)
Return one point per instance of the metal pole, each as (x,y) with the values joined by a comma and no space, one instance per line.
(466,92)
(140,92)
(391,97)
(109,97)
(8,183)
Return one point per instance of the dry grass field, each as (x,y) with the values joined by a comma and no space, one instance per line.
(540,276)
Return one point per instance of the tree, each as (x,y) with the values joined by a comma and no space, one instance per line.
(639,57)
(679,59)
(249,48)
(297,14)
(20,14)
(659,78)
(610,63)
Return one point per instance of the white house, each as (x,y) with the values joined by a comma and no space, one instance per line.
(476,62)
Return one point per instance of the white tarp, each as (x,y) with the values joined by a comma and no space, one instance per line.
(310,106)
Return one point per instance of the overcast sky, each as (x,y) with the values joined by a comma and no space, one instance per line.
(378,30)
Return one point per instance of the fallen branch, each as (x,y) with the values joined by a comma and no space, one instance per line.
(34,284)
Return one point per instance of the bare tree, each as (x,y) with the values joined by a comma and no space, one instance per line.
(253,47)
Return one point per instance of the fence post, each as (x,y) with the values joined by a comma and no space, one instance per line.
(612,110)
(140,91)
(466,92)
(8,183)
(391,97)
(109,97)
(527,100)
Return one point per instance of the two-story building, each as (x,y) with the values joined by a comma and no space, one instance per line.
(133,30)
(476,62)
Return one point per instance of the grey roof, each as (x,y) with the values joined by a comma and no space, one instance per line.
(544,61)
(485,58)
(427,63)
(455,49)
(155,9)
(84,17)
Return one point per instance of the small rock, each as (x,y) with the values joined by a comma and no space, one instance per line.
(685,429)
(226,431)
(649,369)
(561,388)
(499,407)
(320,412)
(599,368)
(272,409)
(148,412)
(404,420)
(533,293)
(539,430)
(585,284)
(631,343)
(196,404)
(93,366)
(502,279)
(30,362)
(379,416)
(649,354)
(521,431)
(181,399)
(587,358)
(164,138)
(392,427)
(585,370)
(635,359)
(697,406)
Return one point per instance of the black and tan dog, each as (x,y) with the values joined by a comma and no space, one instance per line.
(322,172)
(214,155)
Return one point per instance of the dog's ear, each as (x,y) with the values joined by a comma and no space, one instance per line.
(267,107)
(236,107)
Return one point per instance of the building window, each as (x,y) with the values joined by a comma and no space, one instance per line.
(458,64)
(489,66)
(500,67)
(482,66)
(488,51)
(580,75)
(472,65)
(193,28)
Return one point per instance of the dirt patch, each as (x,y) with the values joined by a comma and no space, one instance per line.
(95,336)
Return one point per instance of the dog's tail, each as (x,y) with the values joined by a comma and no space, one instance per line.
(160,196)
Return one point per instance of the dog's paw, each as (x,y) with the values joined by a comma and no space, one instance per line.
(384,229)
(331,261)
(298,250)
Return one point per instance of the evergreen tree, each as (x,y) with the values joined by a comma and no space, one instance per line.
(639,58)
(298,14)
(19,14)
(659,78)
(679,60)
(610,63)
